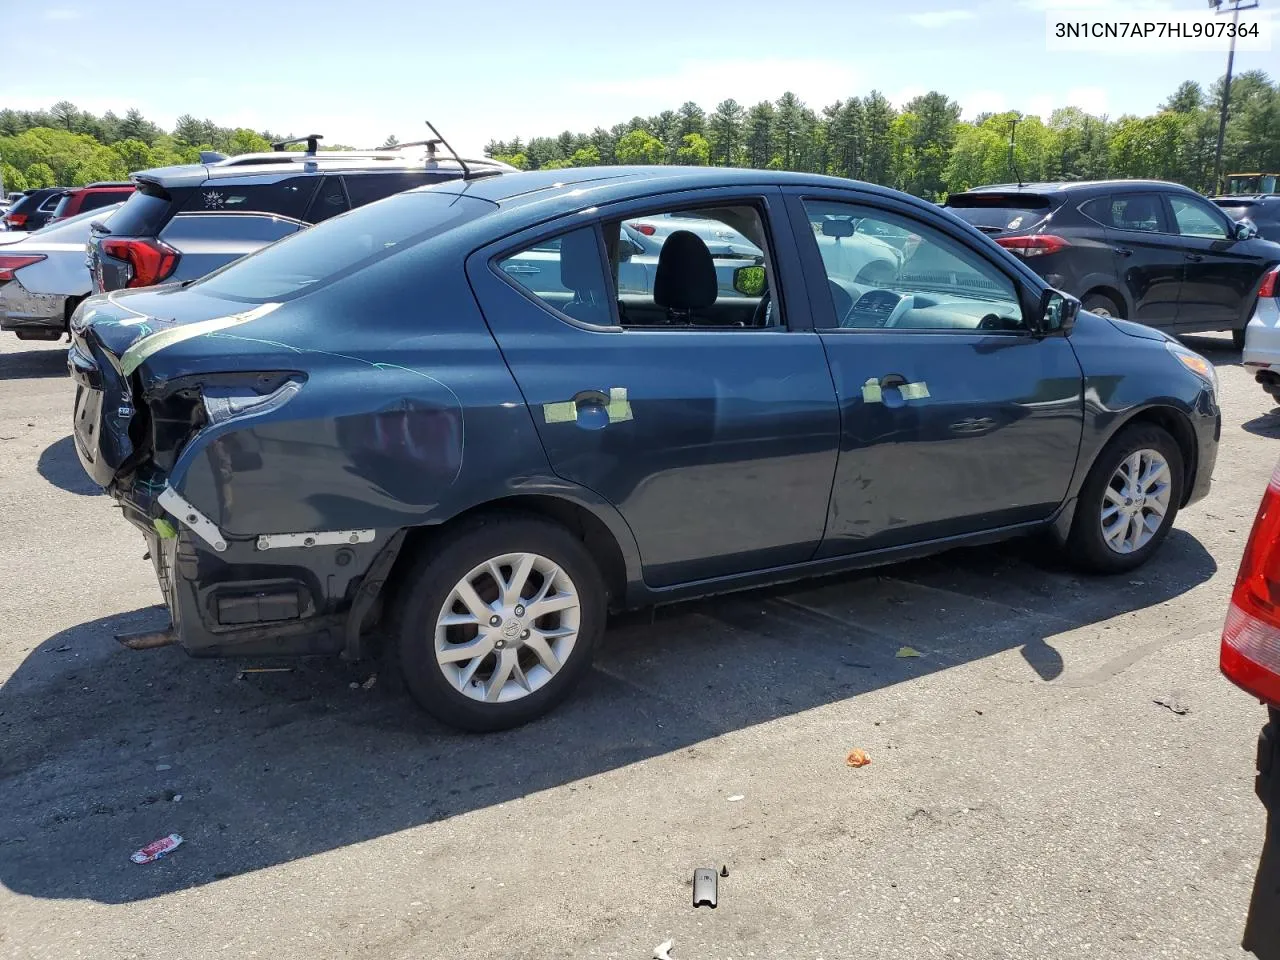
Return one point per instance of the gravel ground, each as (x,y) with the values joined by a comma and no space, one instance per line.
(1026,796)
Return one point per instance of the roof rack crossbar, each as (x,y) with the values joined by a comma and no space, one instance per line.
(312,140)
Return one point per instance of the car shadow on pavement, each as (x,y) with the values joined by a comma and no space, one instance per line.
(1267,425)
(103,750)
(59,465)
(33,364)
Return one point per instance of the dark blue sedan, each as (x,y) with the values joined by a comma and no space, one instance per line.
(372,437)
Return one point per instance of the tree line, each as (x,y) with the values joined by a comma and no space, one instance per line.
(926,149)
(68,147)
(923,148)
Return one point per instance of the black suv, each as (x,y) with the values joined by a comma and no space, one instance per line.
(34,209)
(1158,253)
(186,221)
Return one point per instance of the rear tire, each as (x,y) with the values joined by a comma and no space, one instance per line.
(525,663)
(1102,305)
(1146,507)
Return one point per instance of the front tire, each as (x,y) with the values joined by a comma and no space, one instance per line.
(1128,502)
(1102,305)
(497,622)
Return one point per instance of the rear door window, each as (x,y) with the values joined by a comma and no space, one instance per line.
(52,203)
(96,200)
(1141,212)
(365,188)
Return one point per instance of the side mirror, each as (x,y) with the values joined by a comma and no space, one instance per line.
(1057,312)
(749,281)
(1245,229)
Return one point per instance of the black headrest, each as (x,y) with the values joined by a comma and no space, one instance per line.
(686,275)
(580,267)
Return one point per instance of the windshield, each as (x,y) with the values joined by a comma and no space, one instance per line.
(340,246)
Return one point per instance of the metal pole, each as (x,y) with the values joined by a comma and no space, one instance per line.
(1226,103)
(1226,86)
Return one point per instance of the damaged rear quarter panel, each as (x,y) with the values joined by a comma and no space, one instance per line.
(408,414)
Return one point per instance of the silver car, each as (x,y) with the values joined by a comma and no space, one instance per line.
(43,276)
(1262,336)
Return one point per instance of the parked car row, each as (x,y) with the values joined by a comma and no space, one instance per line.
(179,223)
(374,436)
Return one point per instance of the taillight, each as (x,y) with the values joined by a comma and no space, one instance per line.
(1250,656)
(15,219)
(647,229)
(1033,245)
(150,260)
(1270,283)
(12,262)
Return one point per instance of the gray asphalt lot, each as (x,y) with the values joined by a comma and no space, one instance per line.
(1026,796)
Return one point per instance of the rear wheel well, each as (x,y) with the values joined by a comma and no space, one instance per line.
(69,308)
(1112,294)
(1179,427)
(579,521)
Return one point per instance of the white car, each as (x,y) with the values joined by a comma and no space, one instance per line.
(1262,336)
(43,275)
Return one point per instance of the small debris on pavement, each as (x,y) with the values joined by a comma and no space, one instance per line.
(857,758)
(736,797)
(368,684)
(163,766)
(177,798)
(1174,704)
(663,950)
(156,849)
(909,652)
(724,870)
(248,670)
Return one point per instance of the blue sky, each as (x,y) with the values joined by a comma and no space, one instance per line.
(357,71)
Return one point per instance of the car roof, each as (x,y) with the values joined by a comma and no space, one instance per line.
(562,190)
(284,163)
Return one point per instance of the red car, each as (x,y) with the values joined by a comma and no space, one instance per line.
(83,199)
(1250,658)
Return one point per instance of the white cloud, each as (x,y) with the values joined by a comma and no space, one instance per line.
(904,95)
(933,19)
(61,13)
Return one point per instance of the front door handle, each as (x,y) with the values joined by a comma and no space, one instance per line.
(892,380)
(1122,251)
(1194,257)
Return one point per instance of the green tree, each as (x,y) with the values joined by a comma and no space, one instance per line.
(640,147)
(40,175)
(246,141)
(694,151)
(759,134)
(135,155)
(390,143)
(517,160)
(587,156)
(11,178)
(690,118)
(932,138)
(135,126)
(724,132)
(878,115)
(65,114)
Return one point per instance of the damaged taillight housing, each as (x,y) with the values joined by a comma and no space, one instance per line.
(1250,655)
(192,404)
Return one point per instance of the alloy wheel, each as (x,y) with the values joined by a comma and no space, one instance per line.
(1136,501)
(507,627)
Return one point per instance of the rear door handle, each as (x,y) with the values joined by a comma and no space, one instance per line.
(1122,251)
(892,380)
(1194,257)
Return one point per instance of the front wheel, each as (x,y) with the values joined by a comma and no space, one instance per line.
(1101,305)
(497,622)
(1128,502)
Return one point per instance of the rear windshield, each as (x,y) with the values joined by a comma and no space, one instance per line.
(319,255)
(999,212)
(30,202)
(144,213)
